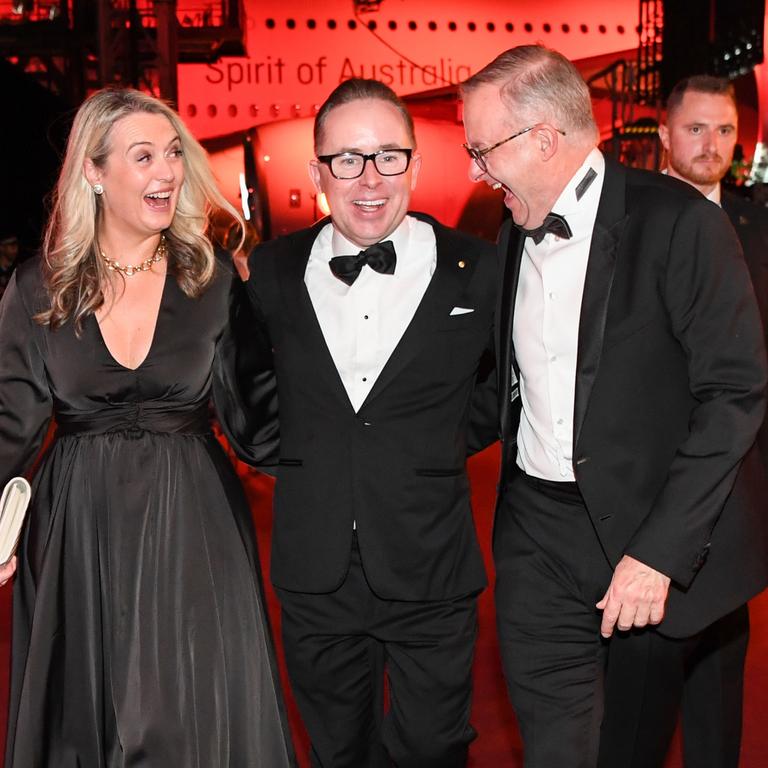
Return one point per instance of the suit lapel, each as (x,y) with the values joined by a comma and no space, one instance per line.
(609,225)
(297,305)
(511,243)
(442,294)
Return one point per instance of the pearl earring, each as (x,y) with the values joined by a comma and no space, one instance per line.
(98,189)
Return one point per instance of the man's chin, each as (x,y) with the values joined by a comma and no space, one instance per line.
(706,180)
(706,176)
(519,215)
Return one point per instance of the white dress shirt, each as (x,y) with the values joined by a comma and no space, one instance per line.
(362,323)
(546,330)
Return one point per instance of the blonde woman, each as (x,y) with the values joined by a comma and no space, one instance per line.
(139,635)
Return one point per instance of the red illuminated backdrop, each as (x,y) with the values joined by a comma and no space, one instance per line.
(298,51)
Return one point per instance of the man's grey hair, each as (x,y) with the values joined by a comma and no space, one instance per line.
(541,85)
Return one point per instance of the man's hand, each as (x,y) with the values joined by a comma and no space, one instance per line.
(7,570)
(635,597)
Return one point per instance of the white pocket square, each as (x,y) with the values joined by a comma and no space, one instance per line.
(461,310)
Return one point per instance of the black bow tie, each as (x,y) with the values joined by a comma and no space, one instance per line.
(380,257)
(553,223)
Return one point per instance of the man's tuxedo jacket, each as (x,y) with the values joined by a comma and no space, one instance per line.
(670,392)
(396,468)
(751,224)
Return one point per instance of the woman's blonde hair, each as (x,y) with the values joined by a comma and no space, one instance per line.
(74,273)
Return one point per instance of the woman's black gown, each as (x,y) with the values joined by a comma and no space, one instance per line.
(139,633)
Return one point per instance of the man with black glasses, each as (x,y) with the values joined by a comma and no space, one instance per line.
(379,322)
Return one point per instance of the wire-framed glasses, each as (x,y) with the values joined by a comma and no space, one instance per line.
(478,155)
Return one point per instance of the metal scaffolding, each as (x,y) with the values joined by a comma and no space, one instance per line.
(73,47)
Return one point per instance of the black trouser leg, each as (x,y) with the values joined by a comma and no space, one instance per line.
(550,572)
(336,645)
(713,694)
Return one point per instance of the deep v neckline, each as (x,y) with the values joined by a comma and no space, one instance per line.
(151,346)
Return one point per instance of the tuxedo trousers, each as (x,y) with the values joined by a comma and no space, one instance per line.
(337,646)
(583,701)
(550,572)
(649,677)
(713,693)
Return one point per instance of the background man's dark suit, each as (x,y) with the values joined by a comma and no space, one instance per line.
(751,224)
(667,317)
(714,689)
(396,467)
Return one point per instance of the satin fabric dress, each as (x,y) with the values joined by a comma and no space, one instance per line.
(139,632)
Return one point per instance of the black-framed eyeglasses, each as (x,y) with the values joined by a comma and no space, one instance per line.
(478,155)
(350,165)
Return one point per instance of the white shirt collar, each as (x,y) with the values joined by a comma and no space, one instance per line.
(580,213)
(568,203)
(714,196)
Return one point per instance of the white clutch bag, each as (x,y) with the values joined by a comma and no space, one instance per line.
(13,507)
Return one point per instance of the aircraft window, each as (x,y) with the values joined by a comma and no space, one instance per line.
(491,26)
(191,110)
(270,23)
(212,111)
(528,26)
(547,27)
(411,25)
(566,28)
(602,29)
(432,25)
(232,110)
(331,23)
(509,26)
(452,26)
(254,110)
(352,24)
(311,23)
(471,26)
(371,24)
(291,23)
(620,29)
(584,28)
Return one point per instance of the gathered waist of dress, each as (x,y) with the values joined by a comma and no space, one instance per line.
(135,417)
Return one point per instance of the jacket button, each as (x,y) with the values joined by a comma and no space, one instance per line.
(701,558)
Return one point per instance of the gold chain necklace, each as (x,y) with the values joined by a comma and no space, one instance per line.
(160,253)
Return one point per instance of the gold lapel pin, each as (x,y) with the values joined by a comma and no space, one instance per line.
(462,264)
